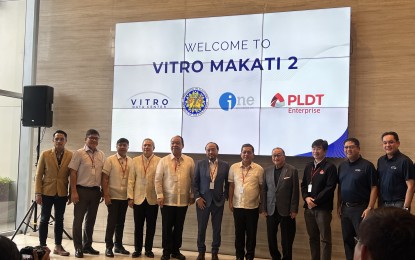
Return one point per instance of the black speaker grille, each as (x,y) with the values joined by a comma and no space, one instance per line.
(37,106)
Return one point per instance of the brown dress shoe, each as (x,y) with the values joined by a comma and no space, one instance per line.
(60,251)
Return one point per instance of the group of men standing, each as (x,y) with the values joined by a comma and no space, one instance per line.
(172,183)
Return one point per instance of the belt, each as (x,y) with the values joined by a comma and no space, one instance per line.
(354,204)
(88,188)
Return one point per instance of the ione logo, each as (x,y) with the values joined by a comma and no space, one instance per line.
(229,101)
(298,100)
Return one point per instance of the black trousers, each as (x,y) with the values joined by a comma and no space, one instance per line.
(288,228)
(59,203)
(246,223)
(148,213)
(87,208)
(350,221)
(172,228)
(115,223)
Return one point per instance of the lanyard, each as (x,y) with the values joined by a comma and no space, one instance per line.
(212,173)
(148,164)
(314,173)
(92,158)
(244,176)
(122,168)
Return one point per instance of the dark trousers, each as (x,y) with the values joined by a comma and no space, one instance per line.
(87,208)
(172,228)
(202,222)
(350,221)
(147,213)
(246,223)
(288,228)
(115,223)
(318,225)
(59,203)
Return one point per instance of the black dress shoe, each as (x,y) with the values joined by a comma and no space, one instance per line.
(149,254)
(201,256)
(121,250)
(179,256)
(165,257)
(79,253)
(136,254)
(109,253)
(215,256)
(90,250)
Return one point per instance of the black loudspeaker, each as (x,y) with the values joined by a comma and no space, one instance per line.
(37,106)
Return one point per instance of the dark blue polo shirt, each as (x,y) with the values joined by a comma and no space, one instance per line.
(356,180)
(393,174)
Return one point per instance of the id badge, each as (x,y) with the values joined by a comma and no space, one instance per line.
(310,186)
(93,171)
(212,186)
(241,190)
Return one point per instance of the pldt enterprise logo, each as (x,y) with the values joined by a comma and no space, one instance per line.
(304,104)
(228,101)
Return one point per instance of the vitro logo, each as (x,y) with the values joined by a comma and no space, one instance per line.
(228,101)
(299,100)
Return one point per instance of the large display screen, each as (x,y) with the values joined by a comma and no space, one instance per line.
(273,79)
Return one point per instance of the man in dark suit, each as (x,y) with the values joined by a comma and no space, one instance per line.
(211,189)
(279,203)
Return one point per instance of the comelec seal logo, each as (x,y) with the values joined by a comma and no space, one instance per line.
(195,101)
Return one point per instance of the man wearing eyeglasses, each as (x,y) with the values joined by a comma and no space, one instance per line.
(86,169)
(357,192)
(245,181)
(51,188)
(396,174)
(279,203)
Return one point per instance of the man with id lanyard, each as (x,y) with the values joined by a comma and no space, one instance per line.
(173,183)
(142,198)
(86,168)
(114,187)
(317,188)
(245,183)
(211,188)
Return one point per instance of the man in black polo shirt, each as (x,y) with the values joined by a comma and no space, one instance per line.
(317,189)
(357,192)
(396,174)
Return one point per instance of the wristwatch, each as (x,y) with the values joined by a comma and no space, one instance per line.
(406,208)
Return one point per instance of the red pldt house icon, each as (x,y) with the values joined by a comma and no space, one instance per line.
(277,101)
